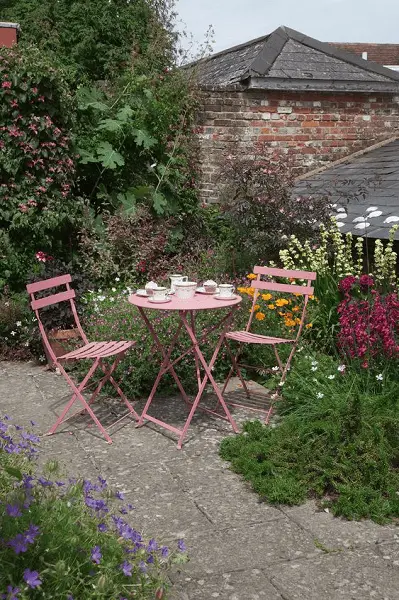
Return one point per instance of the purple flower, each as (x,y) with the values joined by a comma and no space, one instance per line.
(181,545)
(102,527)
(11,593)
(152,546)
(30,437)
(59,483)
(96,555)
(127,568)
(150,559)
(123,510)
(12,448)
(27,482)
(44,482)
(31,533)
(120,495)
(130,507)
(164,551)
(18,544)
(33,423)
(142,566)
(103,483)
(18,427)
(13,510)
(28,500)
(32,578)
(69,597)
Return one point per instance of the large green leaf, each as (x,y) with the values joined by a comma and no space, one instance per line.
(86,157)
(109,157)
(142,138)
(110,125)
(128,201)
(159,203)
(14,472)
(124,114)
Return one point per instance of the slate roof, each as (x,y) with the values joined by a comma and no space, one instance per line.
(383,54)
(287,59)
(357,184)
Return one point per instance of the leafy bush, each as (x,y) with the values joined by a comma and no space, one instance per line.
(67,539)
(261,210)
(89,40)
(337,441)
(37,166)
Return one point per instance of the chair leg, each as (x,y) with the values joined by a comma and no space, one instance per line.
(108,377)
(235,366)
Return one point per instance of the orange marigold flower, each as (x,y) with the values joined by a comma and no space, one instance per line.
(281,302)
(271,307)
(260,316)
(252,276)
(297,294)
(295,309)
(309,326)
(289,322)
(297,321)
(256,307)
(311,297)
(281,313)
(266,297)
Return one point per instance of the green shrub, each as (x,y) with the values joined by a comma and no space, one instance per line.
(337,441)
(67,539)
(37,164)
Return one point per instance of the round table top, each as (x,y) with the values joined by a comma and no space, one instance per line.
(199,302)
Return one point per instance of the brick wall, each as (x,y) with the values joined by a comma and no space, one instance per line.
(307,129)
(384,54)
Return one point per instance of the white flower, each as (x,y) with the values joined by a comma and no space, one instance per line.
(101,298)
(331,377)
(112,299)
(13,333)
(153,165)
(379,377)
(275,368)
(26,344)
(319,395)
(117,279)
(281,383)
(6,304)
(313,369)
(314,363)
(18,323)
(114,289)
(341,368)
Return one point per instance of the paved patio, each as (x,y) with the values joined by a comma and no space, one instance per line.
(239,549)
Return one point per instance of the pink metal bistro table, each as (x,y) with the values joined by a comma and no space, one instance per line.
(186,310)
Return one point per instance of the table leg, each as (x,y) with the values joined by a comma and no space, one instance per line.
(197,365)
(165,367)
(208,375)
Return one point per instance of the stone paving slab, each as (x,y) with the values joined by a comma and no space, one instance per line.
(240,548)
(242,585)
(340,576)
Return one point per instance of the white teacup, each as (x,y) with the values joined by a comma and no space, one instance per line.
(159,294)
(226,290)
(185,289)
(174,279)
(150,287)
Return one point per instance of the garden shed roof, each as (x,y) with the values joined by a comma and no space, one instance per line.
(289,60)
(368,179)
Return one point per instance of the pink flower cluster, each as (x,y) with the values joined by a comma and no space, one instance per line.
(369,325)
(42,256)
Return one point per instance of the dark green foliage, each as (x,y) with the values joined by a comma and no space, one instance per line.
(338,441)
(96,39)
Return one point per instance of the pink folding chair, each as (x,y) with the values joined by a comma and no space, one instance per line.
(246,337)
(96,351)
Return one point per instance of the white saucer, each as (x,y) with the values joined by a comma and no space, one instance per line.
(142,293)
(201,290)
(219,297)
(154,301)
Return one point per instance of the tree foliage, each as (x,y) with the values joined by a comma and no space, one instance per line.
(97,39)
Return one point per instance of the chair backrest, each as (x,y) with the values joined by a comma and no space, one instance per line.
(286,288)
(39,303)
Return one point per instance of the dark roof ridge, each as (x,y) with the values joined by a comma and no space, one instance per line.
(334,52)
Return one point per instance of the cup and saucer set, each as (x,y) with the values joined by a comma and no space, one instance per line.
(183,289)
